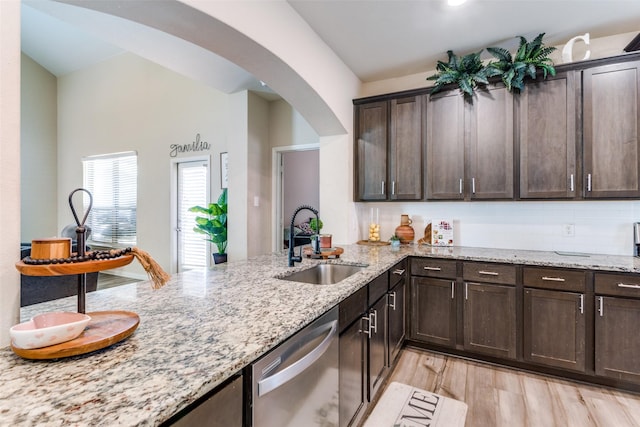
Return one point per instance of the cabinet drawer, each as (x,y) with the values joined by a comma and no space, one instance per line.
(352,308)
(433,267)
(378,287)
(397,273)
(626,285)
(489,272)
(554,278)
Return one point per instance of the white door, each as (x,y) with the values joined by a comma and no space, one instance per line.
(192,189)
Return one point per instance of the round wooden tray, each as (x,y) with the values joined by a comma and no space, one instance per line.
(104,329)
(368,243)
(332,253)
(73,267)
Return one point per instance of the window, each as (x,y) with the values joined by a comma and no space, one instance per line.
(112,179)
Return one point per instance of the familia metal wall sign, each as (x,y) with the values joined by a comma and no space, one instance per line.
(195,146)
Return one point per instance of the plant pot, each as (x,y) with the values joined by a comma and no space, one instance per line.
(219,258)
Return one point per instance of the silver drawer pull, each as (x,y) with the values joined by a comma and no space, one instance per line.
(553,279)
(624,285)
(399,272)
(488,273)
(433,268)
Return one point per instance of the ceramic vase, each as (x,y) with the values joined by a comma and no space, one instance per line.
(405,231)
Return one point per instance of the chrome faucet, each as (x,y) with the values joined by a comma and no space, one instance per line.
(293,259)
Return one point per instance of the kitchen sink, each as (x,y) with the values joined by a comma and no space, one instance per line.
(324,274)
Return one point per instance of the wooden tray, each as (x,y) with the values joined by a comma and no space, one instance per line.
(73,267)
(368,243)
(333,253)
(105,328)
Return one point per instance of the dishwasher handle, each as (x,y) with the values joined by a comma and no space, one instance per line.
(272,382)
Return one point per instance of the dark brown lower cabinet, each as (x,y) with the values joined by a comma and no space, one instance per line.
(377,345)
(490,319)
(396,312)
(352,373)
(433,315)
(554,328)
(617,346)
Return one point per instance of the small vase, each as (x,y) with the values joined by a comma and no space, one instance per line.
(219,258)
(405,231)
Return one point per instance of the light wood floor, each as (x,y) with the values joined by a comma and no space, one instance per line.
(499,397)
(106,280)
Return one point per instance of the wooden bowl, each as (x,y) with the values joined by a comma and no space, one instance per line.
(51,248)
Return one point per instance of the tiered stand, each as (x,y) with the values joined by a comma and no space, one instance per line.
(106,327)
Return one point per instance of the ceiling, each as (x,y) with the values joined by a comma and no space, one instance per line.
(376,39)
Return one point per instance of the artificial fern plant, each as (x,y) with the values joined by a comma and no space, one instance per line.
(467,72)
(530,57)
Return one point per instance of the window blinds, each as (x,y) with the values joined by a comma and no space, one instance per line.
(112,180)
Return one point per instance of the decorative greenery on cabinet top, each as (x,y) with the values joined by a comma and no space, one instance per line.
(469,73)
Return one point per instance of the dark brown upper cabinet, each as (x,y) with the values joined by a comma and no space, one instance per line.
(546,117)
(371,157)
(389,149)
(470,145)
(610,125)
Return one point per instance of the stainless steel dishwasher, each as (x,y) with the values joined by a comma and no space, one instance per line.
(296,385)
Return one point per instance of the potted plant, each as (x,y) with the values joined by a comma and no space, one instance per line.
(395,241)
(213,224)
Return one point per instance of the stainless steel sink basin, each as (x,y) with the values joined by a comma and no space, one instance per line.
(324,274)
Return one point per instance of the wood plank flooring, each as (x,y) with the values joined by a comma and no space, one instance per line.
(502,397)
(106,280)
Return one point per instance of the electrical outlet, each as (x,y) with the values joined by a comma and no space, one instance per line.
(569,230)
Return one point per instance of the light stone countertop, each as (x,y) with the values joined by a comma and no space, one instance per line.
(200,329)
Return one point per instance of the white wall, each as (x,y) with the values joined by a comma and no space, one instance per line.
(301,182)
(10,166)
(38,152)
(128,103)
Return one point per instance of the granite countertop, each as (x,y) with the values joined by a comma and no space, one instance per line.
(200,329)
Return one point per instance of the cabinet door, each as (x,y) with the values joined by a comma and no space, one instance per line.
(433,311)
(554,328)
(371,156)
(617,347)
(377,345)
(352,373)
(405,160)
(222,409)
(547,121)
(396,310)
(611,117)
(490,144)
(445,146)
(490,319)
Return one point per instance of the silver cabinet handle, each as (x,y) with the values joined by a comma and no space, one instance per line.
(453,289)
(399,272)
(367,330)
(466,291)
(589,182)
(624,285)
(375,321)
(601,308)
(553,279)
(392,304)
(393,187)
(571,182)
(488,273)
(461,187)
(473,185)
(274,381)
(433,268)
(581,303)
(382,187)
